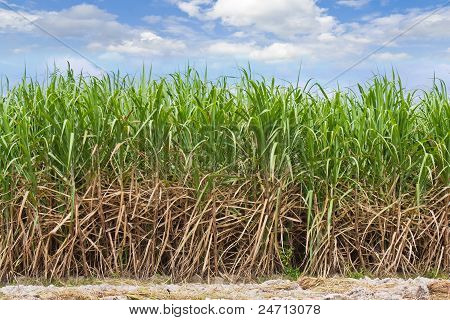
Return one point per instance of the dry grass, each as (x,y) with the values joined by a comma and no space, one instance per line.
(142,231)
(440,290)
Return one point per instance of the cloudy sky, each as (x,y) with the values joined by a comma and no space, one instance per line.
(275,36)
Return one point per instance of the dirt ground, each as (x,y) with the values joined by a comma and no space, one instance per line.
(303,288)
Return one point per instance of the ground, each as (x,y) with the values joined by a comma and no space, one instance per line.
(303,288)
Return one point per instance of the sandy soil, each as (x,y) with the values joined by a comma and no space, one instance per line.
(303,288)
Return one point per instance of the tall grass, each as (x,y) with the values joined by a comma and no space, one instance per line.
(183,176)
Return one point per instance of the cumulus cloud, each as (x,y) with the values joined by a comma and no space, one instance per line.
(152,19)
(82,20)
(289,28)
(11,21)
(426,26)
(283,18)
(231,48)
(193,7)
(390,56)
(148,43)
(344,41)
(239,34)
(24,49)
(275,52)
(99,29)
(353,3)
(112,57)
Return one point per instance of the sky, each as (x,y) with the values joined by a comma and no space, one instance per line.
(320,40)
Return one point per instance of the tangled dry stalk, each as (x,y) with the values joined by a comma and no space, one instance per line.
(152,228)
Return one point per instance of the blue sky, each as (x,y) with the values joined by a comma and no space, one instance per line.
(325,37)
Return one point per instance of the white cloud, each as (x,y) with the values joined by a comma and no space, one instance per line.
(283,18)
(98,28)
(82,20)
(290,29)
(193,7)
(327,36)
(275,52)
(353,3)
(239,34)
(389,56)
(152,19)
(345,42)
(229,48)
(147,43)
(24,49)
(280,30)
(425,26)
(11,21)
(179,26)
(111,56)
